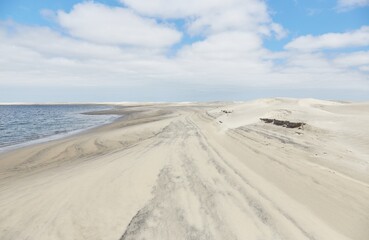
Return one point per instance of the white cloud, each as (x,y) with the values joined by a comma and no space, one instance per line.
(226,45)
(357,38)
(364,68)
(353,59)
(189,8)
(128,46)
(343,5)
(115,25)
(39,55)
(212,16)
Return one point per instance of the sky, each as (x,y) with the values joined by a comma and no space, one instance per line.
(183,50)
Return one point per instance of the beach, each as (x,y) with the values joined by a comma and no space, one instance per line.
(197,171)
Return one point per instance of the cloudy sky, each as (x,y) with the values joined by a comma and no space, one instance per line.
(183,50)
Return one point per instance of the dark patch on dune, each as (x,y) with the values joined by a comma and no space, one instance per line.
(283,123)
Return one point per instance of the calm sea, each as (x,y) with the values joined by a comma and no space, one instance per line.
(23,124)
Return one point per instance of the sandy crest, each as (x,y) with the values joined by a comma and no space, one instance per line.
(193,171)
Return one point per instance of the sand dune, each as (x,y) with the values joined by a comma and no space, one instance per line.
(197,171)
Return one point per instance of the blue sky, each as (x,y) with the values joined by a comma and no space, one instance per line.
(183,50)
(314,17)
(299,17)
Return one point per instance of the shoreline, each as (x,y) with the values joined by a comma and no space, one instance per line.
(55,137)
(65,135)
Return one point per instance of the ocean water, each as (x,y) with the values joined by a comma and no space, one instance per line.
(22,124)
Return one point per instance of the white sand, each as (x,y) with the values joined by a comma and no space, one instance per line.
(191,171)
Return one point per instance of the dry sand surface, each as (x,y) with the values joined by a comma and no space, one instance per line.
(193,171)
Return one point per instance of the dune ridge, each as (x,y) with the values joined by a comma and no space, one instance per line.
(197,171)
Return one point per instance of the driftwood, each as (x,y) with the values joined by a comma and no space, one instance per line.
(282,123)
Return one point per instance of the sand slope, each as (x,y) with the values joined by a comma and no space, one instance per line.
(192,171)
